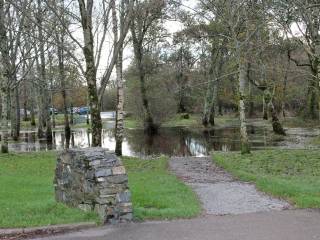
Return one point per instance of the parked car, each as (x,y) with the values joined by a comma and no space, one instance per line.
(74,110)
(53,110)
(84,110)
(22,112)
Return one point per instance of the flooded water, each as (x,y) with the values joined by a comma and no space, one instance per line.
(177,141)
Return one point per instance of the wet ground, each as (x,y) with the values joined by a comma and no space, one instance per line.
(174,141)
(218,191)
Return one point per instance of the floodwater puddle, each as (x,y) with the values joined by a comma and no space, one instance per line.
(175,141)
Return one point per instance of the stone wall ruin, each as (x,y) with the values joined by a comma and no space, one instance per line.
(93,179)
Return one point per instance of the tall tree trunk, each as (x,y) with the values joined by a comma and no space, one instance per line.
(96,123)
(264,107)
(119,128)
(312,97)
(244,141)
(181,80)
(120,107)
(276,125)
(208,101)
(43,74)
(15,113)
(220,110)
(71,114)
(41,109)
(52,112)
(32,93)
(284,88)
(90,74)
(214,103)
(251,102)
(4,78)
(32,115)
(214,83)
(87,118)
(4,116)
(149,125)
(25,102)
(67,130)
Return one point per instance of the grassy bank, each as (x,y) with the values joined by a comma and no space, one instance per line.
(27,196)
(315,140)
(290,174)
(59,121)
(178,120)
(296,122)
(194,121)
(157,194)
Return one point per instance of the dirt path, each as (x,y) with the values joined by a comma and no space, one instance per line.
(219,193)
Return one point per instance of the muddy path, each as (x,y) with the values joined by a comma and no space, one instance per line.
(218,191)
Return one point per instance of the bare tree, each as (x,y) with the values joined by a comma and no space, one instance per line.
(146,17)
(119,128)
(300,19)
(92,57)
(11,28)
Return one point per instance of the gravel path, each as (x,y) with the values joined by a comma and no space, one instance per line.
(219,193)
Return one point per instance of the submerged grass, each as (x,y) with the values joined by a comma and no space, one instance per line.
(315,140)
(178,120)
(156,193)
(27,194)
(294,122)
(290,174)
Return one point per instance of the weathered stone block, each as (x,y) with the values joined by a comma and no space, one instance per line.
(85,207)
(118,170)
(124,208)
(103,173)
(117,179)
(123,197)
(93,179)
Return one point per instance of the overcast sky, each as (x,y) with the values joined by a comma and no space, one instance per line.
(171,26)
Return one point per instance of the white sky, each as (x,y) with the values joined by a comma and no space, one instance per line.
(171,26)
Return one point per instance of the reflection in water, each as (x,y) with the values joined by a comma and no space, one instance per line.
(169,141)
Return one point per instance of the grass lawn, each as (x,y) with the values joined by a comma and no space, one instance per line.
(26,192)
(27,195)
(157,194)
(290,174)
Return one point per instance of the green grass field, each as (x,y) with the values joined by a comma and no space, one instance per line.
(27,196)
(26,193)
(157,194)
(290,174)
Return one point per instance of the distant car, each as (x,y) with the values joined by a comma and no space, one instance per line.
(22,112)
(84,110)
(76,110)
(53,110)
(73,110)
